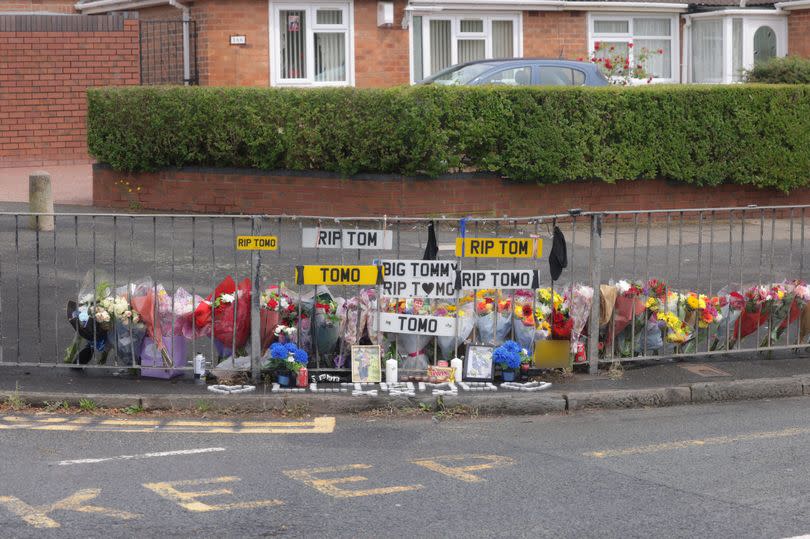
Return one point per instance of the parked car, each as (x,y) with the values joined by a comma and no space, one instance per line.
(520,72)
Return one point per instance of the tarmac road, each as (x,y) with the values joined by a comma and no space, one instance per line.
(724,470)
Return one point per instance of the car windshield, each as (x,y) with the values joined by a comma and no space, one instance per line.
(460,74)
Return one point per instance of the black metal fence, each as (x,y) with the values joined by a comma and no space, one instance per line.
(164,58)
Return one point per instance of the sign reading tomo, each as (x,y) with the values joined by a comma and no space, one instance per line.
(419,278)
(499,247)
(338,275)
(256,243)
(440,326)
(334,238)
(503,279)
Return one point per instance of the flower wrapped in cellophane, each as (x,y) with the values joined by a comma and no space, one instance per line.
(277,307)
(411,347)
(227,309)
(493,316)
(465,322)
(90,320)
(127,331)
(788,305)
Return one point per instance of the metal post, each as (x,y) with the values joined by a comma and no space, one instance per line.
(596,278)
(255,322)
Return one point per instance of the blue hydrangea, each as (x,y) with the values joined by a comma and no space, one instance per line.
(291,348)
(507,355)
(278,351)
(301,357)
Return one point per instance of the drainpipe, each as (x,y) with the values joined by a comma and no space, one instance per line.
(186,40)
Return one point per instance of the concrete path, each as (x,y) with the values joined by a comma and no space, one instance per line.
(71,184)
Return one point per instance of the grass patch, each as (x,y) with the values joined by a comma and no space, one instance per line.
(87,405)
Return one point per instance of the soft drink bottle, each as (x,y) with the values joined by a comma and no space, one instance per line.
(303,377)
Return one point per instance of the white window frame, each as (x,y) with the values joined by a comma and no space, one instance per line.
(630,37)
(457,35)
(751,21)
(311,28)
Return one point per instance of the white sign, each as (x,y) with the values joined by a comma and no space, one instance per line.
(348,238)
(503,279)
(419,278)
(440,326)
(238,40)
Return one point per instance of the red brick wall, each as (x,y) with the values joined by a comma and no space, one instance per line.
(555,34)
(255,192)
(381,55)
(43,78)
(799,33)
(38,6)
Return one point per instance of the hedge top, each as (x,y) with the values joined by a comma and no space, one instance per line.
(705,135)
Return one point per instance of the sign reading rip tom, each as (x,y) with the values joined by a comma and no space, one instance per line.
(502,279)
(348,238)
(419,278)
(499,247)
(338,275)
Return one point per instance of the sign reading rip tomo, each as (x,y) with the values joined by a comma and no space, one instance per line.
(499,247)
(256,243)
(348,238)
(339,275)
(419,278)
(440,326)
(502,279)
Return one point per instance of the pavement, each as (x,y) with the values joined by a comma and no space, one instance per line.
(732,470)
(71,184)
(653,384)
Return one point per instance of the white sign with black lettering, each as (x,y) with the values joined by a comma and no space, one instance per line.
(439,326)
(502,279)
(348,238)
(419,278)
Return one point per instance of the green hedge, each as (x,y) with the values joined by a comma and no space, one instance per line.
(788,70)
(705,135)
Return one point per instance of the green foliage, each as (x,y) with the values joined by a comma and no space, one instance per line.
(87,405)
(703,135)
(788,70)
(133,409)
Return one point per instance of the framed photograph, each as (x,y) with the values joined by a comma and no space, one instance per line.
(366,364)
(478,363)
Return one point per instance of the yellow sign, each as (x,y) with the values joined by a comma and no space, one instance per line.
(499,247)
(339,275)
(256,243)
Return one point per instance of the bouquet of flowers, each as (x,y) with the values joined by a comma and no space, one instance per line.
(284,334)
(494,316)
(326,329)
(127,329)
(355,317)
(528,323)
(700,313)
(176,314)
(754,307)
(580,311)
(227,309)
(275,307)
(90,320)
(792,298)
(144,301)
(412,347)
(466,321)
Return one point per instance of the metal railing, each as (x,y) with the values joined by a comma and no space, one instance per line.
(168,52)
(705,251)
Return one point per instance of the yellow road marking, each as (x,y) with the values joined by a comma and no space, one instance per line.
(686,444)
(37,516)
(181,423)
(329,486)
(462,472)
(126,422)
(190,500)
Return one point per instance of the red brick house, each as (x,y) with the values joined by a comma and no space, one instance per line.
(369,43)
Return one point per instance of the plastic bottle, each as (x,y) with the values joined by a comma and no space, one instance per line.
(199,369)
